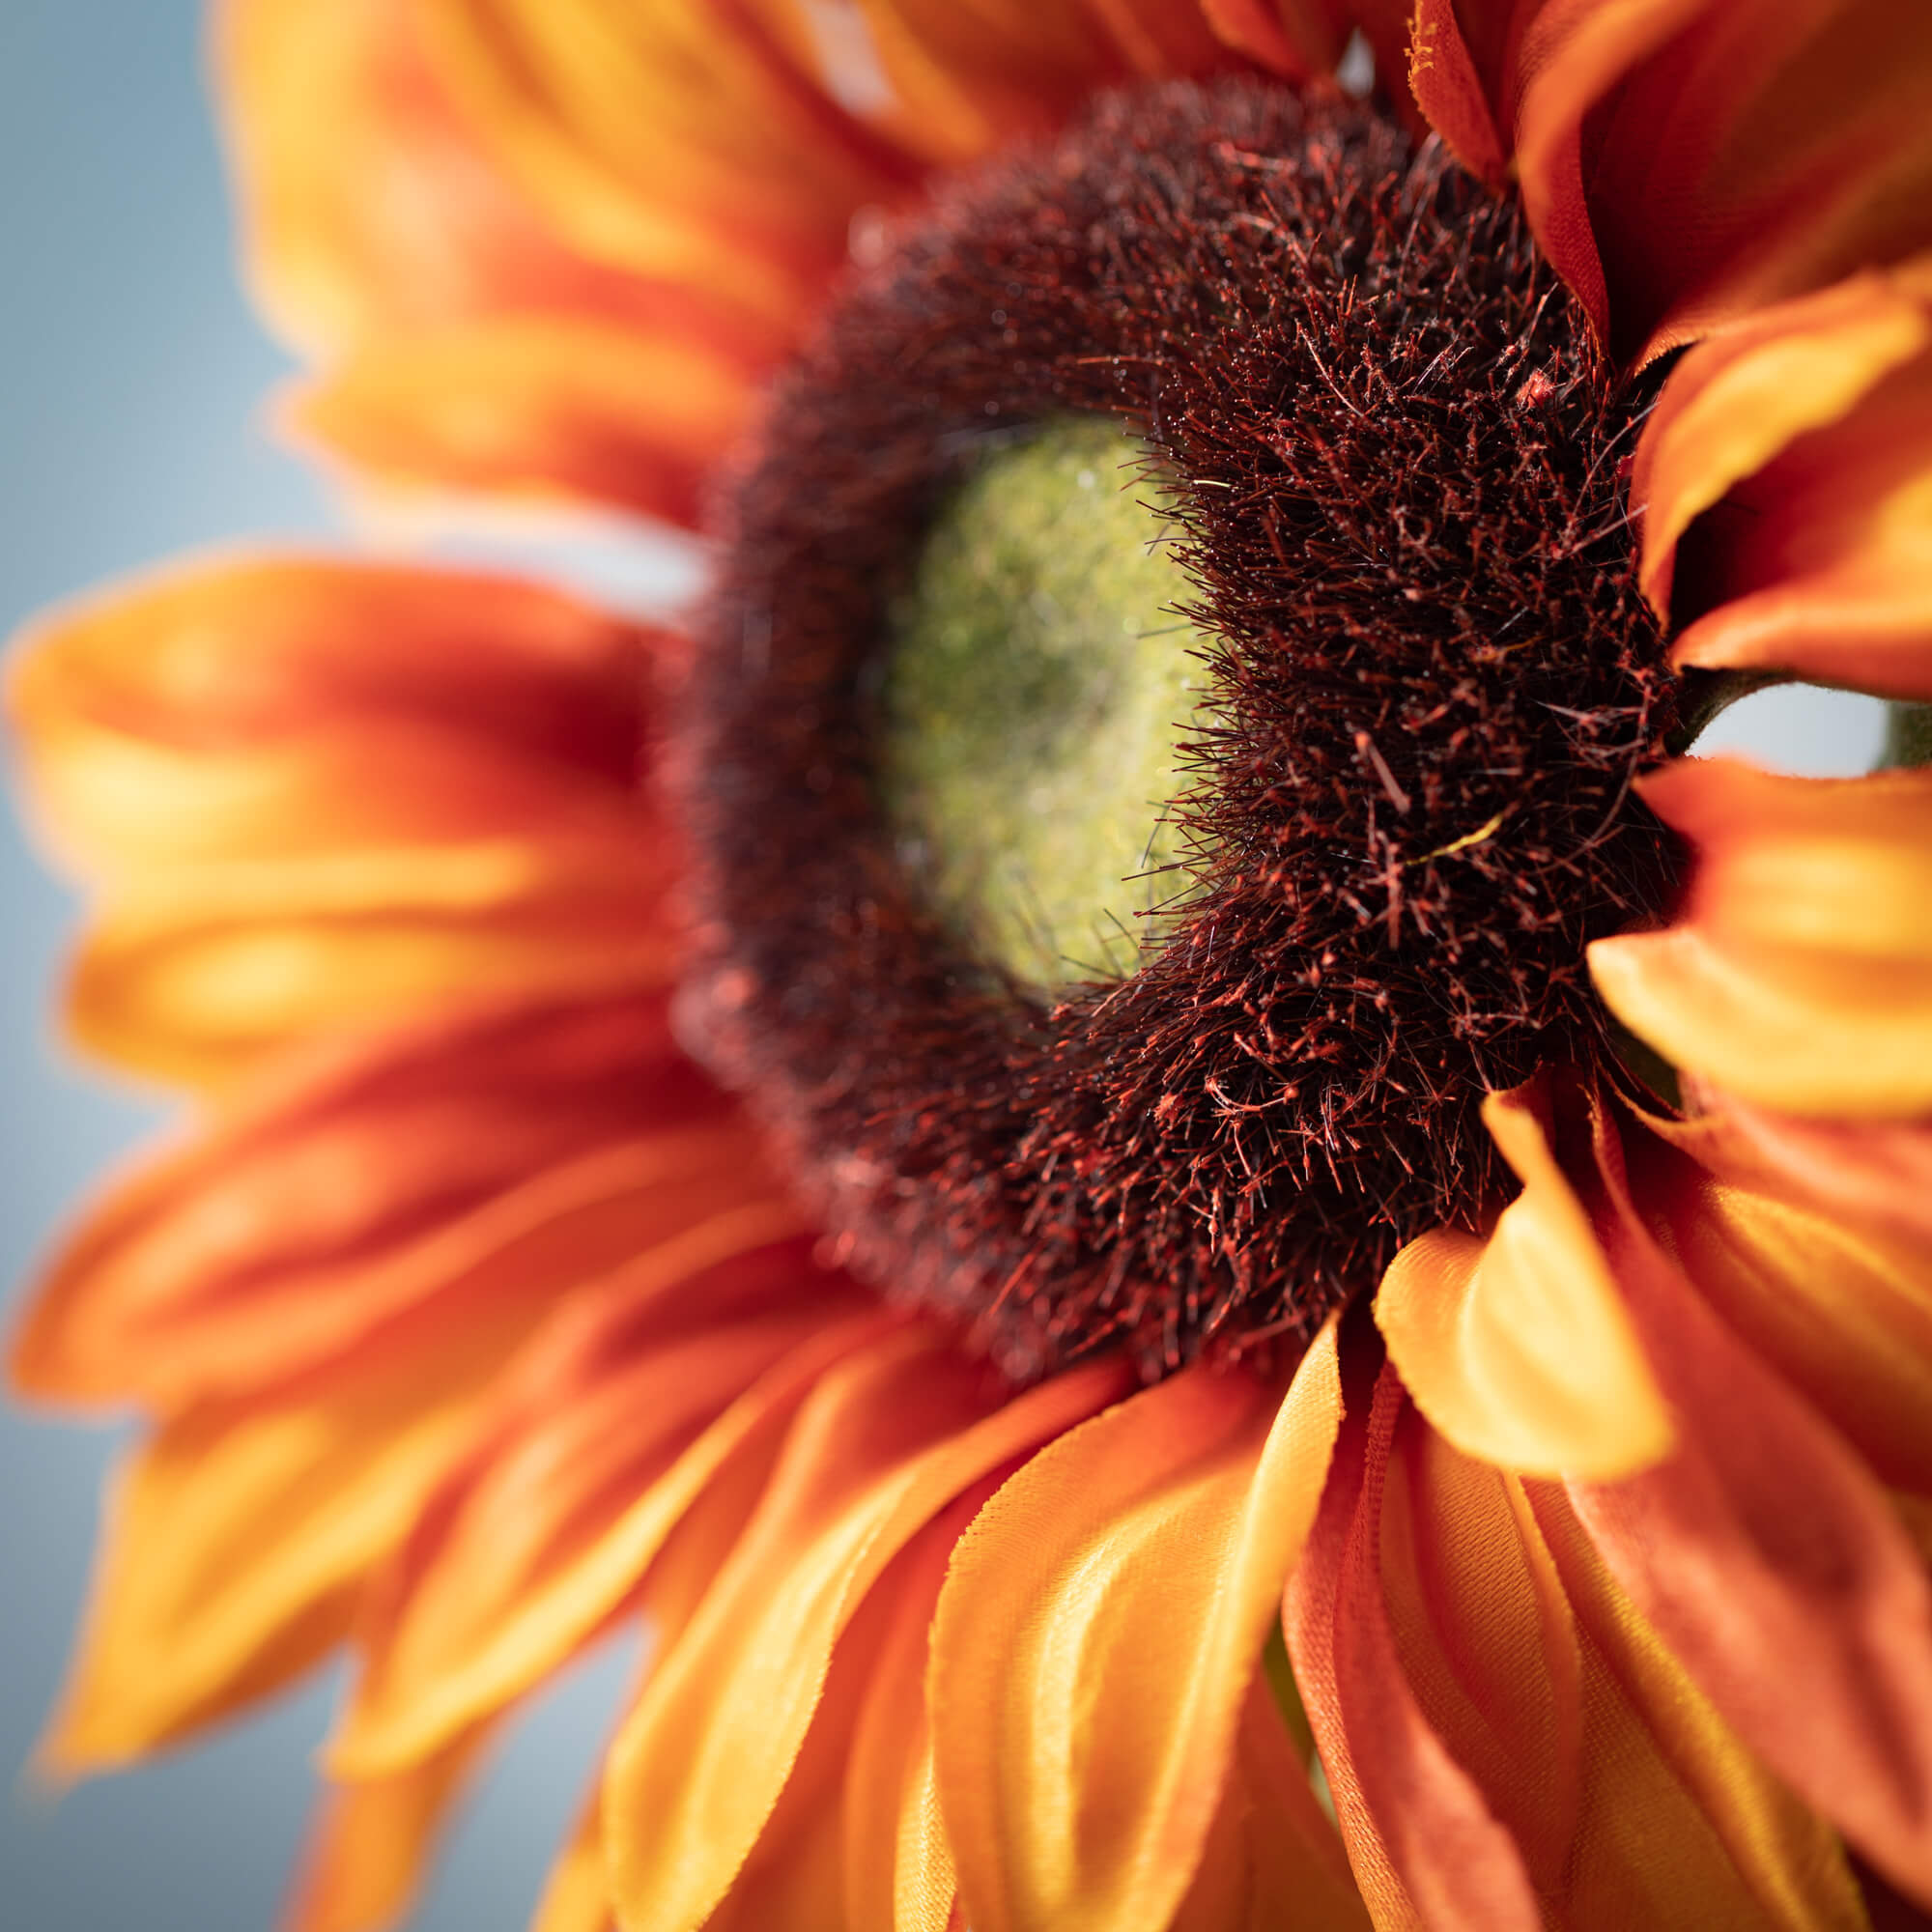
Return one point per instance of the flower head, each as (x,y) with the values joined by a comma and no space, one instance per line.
(1443,1306)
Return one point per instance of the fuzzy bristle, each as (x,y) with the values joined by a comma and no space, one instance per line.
(1397,459)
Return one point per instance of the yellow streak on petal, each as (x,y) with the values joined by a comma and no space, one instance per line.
(1101,1625)
(1518,1347)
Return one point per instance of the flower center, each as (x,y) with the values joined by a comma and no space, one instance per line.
(1034,677)
(1384,763)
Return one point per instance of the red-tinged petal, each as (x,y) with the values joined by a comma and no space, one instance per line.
(1517,1346)
(193,978)
(1272,1858)
(1459,85)
(668,141)
(540,406)
(1735,402)
(1797,975)
(239,1538)
(1097,1637)
(1870,1174)
(357,1181)
(371,1844)
(1687,1826)
(1811,561)
(1425,1847)
(1844,1317)
(545,1534)
(371,206)
(151,718)
(884,1443)
(1293,39)
(1685,161)
(1767,1557)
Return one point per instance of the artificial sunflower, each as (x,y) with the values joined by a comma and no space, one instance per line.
(694,1131)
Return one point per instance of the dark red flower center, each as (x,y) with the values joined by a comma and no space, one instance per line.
(1396,459)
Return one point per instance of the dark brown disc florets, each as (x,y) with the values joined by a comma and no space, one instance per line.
(1397,456)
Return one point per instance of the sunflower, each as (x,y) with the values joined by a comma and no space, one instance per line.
(1401,1391)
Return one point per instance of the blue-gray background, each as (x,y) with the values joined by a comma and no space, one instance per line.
(131,377)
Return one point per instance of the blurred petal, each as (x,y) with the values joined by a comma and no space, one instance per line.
(1425,1847)
(534,405)
(1845,1318)
(607,1438)
(202,744)
(1868,1175)
(1803,439)
(370,1847)
(1290,38)
(668,141)
(238,1538)
(1517,1346)
(1097,1637)
(884,1443)
(1685,161)
(1766,1556)
(364,1183)
(1796,974)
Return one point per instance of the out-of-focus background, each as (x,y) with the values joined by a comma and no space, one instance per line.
(132,380)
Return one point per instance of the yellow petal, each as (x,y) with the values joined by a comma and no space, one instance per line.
(1097,1637)
(886,1441)
(1518,1347)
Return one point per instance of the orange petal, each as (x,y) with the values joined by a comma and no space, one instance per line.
(370,1847)
(658,141)
(1797,975)
(1870,1175)
(899,1873)
(1273,1856)
(885,1442)
(1097,1637)
(1845,1318)
(154,715)
(1459,85)
(1518,1348)
(1293,39)
(609,1435)
(1425,1847)
(239,1538)
(357,1191)
(370,205)
(1683,161)
(537,406)
(1685,1825)
(1767,1557)
(1792,456)
(576,1894)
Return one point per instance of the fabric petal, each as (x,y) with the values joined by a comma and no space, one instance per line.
(1460,94)
(886,1441)
(538,407)
(482,1156)
(1792,456)
(238,1539)
(1425,1847)
(1796,976)
(1517,1346)
(370,1847)
(196,742)
(1844,1317)
(1765,1555)
(662,142)
(1868,1175)
(609,1435)
(1097,1637)
(1685,161)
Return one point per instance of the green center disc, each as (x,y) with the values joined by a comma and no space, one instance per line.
(1039,682)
